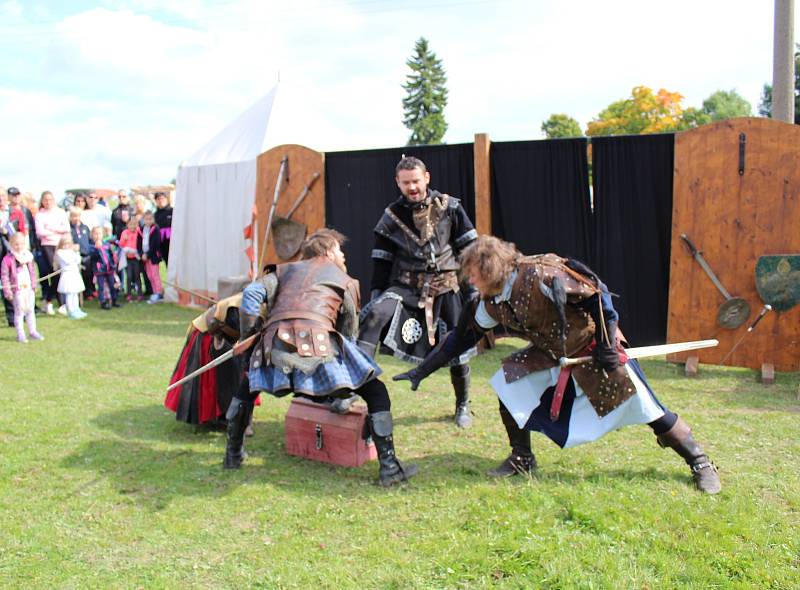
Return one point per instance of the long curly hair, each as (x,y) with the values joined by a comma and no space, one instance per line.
(493,258)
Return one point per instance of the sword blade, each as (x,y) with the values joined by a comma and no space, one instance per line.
(205,368)
(648,351)
(238,349)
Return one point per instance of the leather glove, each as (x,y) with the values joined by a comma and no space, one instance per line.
(606,357)
(606,354)
(249,324)
(442,353)
(414,376)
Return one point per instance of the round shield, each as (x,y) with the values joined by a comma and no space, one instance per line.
(778,280)
(733,313)
(411,331)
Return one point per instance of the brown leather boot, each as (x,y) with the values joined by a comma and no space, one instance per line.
(704,472)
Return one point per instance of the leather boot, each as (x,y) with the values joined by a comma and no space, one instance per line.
(459,377)
(704,472)
(521,460)
(238,416)
(390,471)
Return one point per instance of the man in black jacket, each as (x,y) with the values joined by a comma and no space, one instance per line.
(163,216)
(415,294)
(118,218)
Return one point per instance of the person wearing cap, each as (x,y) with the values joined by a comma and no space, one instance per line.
(118,223)
(27,225)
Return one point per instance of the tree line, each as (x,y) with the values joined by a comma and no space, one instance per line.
(644,111)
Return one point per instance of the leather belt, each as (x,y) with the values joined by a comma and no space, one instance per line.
(563,379)
(299,315)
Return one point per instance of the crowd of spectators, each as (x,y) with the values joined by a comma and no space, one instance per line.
(120,249)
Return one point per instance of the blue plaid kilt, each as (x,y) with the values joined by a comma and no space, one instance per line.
(349,370)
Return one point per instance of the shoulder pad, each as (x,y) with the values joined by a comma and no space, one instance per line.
(385,225)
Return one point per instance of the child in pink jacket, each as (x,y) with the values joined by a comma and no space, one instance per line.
(19,283)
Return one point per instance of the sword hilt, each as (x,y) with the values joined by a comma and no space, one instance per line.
(767,307)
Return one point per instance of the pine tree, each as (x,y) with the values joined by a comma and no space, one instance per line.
(423,108)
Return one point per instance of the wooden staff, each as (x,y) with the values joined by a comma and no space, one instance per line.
(192,293)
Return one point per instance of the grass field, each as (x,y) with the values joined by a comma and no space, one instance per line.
(100,487)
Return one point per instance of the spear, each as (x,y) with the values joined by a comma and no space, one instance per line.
(238,349)
(190,292)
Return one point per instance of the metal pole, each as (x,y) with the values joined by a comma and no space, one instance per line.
(783,62)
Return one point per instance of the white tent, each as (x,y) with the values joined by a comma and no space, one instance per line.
(214,198)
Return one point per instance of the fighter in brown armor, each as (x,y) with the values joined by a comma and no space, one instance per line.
(415,296)
(563,309)
(307,347)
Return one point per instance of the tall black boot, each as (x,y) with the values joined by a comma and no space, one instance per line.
(521,460)
(238,416)
(459,377)
(679,438)
(390,471)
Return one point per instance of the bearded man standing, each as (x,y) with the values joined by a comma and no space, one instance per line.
(415,295)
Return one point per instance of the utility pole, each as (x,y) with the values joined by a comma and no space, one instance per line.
(783,62)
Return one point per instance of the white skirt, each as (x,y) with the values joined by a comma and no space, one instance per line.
(70,281)
(528,400)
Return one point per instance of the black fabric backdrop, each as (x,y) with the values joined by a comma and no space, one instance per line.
(540,196)
(632,177)
(360,184)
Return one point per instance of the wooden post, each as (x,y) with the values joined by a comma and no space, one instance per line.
(767,374)
(783,62)
(692,366)
(483,183)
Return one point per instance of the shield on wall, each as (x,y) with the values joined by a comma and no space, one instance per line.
(778,280)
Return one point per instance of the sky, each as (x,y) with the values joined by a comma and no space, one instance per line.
(117,93)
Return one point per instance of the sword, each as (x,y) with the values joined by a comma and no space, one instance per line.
(238,349)
(750,328)
(647,351)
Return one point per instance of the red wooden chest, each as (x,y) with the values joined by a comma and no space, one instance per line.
(314,432)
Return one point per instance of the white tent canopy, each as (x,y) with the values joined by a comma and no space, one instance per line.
(214,198)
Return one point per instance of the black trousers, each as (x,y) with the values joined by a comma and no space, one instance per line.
(373,392)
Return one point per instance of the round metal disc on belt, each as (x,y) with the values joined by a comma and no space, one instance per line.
(733,313)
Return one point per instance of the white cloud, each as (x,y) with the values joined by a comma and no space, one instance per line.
(118,96)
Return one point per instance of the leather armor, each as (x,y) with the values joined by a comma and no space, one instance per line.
(413,254)
(306,309)
(531,313)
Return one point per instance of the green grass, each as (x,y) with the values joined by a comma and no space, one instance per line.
(100,487)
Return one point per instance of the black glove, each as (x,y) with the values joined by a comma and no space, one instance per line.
(441,354)
(249,324)
(413,376)
(605,353)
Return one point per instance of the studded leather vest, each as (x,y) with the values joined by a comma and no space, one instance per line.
(530,312)
(306,307)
